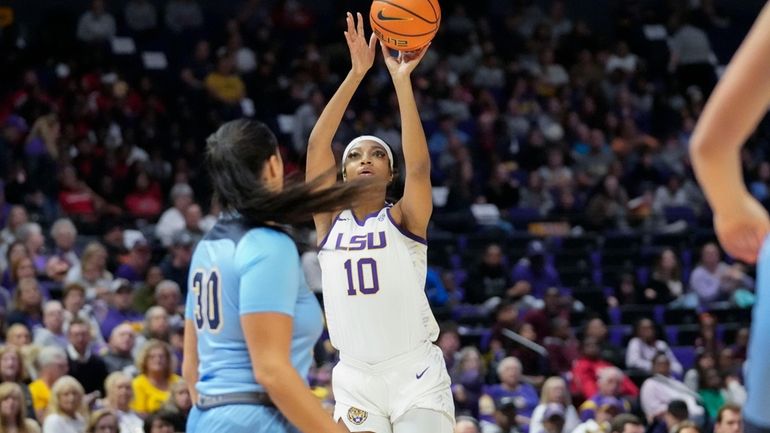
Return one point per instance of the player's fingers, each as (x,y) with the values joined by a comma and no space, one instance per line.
(360,24)
(372,43)
(349,20)
(385,51)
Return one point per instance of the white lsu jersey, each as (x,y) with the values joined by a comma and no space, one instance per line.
(373,276)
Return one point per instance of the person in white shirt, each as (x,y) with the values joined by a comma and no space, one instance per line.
(67,407)
(96,25)
(172,220)
(645,345)
(554,391)
(661,389)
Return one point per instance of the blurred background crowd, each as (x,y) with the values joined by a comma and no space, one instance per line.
(571,260)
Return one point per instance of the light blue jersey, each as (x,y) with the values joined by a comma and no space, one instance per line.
(236,270)
(756,411)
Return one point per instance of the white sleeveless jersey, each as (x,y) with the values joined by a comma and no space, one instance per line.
(373,276)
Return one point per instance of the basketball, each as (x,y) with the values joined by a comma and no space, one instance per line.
(405,25)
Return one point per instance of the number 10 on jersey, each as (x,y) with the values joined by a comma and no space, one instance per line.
(363,272)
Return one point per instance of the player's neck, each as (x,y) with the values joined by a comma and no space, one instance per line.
(368,207)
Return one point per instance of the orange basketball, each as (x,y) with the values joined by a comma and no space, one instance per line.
(405,25)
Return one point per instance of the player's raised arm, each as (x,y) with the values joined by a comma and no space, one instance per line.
(415,207)
(320,158)
(739,101)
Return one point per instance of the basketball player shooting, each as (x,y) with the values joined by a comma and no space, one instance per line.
(391,378)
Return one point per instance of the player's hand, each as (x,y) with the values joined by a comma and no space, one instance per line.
(402,65)
(361,52)
(742,229)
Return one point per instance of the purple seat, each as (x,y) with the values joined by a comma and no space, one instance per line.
(685,355)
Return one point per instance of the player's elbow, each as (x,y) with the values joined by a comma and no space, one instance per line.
(270,374)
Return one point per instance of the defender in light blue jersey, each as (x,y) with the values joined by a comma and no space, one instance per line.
(250,321)
(738,103)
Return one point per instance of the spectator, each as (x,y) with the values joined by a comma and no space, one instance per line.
(160,422)
(729,419)
(140,15)
(536,270)
(153,385)
(137,261)
(64,235)
(120,308)
(468,380)
(645,345)
(27,305)
(665,284)
(193,220)
(523,394)
(714,280)
(688,427)
(52,331)
(622,59)
(31,234)
(434,288)
(15,252)
(52,364)
(84,366)
(156,325)
(119,351)
(601,421)
(12,370)
(102,421)
(172,219)
(17,217)
(675,415)
(67,407)
(553,419)
(176,264)
(691,58)
(703,361)
(553,307)
(223,84)
(449,343)
(13,417)
(118,400)
(609,390)
(145,199)
(596,328)
(22,267)
(502,190)
(555,391)
(179,404)
(607,207)
(92,272)
(18,336)
(75,308)
(488,278)
(660,389)
(182,15)
(626,423)
(96,25)
(169,297)
(715,391)
(562,346)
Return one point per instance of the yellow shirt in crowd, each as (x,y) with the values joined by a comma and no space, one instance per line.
(148,398)
(229,88)
(40,394)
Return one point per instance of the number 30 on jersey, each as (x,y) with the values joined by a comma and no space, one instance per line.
(207,290)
